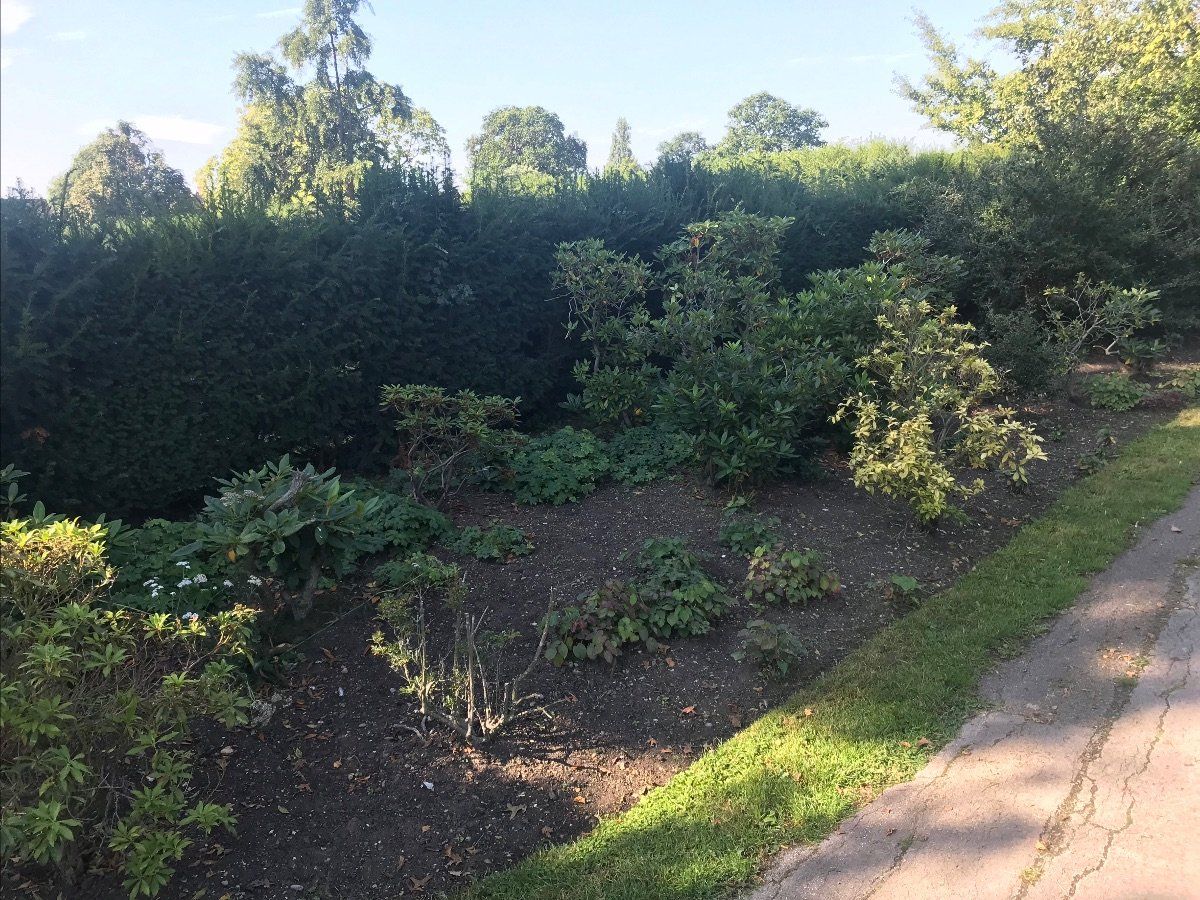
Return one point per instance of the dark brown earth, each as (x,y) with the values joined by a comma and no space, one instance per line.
(345,793)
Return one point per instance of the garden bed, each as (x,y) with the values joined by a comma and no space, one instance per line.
(346,793)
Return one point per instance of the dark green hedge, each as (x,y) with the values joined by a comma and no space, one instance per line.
(138,364)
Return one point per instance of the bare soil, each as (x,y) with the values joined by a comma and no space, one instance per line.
(345,793)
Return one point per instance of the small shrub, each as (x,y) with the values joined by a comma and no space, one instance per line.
(152,576)
(1091,314)
(396,522)
(773,648)
(441,432)
(1020,351)
(286,523)
(95,707)
(464,690)
(599,625)
(1097,458)
(744,534)
(670,595)
(1141,354)
(922,413)
(789,576)
(500,543)
(681,597)
(1117,392)
(559,467)
(1187,383)
(644,454)
(902,588)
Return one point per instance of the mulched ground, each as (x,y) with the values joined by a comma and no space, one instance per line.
(345,794)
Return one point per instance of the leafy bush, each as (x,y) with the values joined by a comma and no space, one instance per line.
(923,413)
(646,453)
(773,648)
(744,534)
(1187,383)
(420,571)
(1116,392)
(1094,314)
(286,523)
(598,626)
(10,488)
(789,576)
(681,597)
(558,467)
(95,710)
(902,588)
(501,543)
(441,432)
(1020,350)
(396,522)
(1141,354)
(151,575)
(670,595)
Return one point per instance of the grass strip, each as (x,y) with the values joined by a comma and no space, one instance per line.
(794,774)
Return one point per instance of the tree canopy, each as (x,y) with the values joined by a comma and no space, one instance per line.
(118,176)
(683,148)
(621,160)
(764,123)
(524,145)
(1089,75)
(307,144)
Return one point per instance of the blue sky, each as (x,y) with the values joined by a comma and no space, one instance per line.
(72,67)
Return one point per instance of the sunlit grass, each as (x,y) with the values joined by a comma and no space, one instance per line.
(791,776)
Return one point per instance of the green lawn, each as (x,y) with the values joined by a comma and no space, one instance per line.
(792,775)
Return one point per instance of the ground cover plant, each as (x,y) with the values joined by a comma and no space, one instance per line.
(96,710)
(874,719)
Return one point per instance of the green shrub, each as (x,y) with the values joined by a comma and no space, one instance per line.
(285,523)
(1141,354)
(1020,351)
(396,522)
(598,625)
(923,413)
(440,433)
(1187,383)
(902,588)
(773,648)
(670,595)
(151,574)
(10,489)
(95,707)
(682,599)
(417,571)
(789,576)
(1116,392)
(500,543)
(646,453)
(744,534)
(558,467)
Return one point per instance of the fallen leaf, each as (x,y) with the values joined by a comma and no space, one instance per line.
(579,798)
(513,810)
(337,763)
(418,884)
(329,654)
(924,742)
(808,711)
(547,831)
(670,663)
(905,744)
(688,710)
(425,828)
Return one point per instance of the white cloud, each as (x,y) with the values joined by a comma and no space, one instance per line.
(178,128)
(63,36)
(279,13)
(13,14)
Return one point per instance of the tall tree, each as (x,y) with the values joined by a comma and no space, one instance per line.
(307,144)
(118,176)
(1091,76)
(764,123)
(683,148)
(620,153)
(524,146)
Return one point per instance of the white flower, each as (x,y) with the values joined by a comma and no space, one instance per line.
(150,583)
(185,583)
(183,563)
(254,580)
(190,617)
(227,583)
(201,578)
